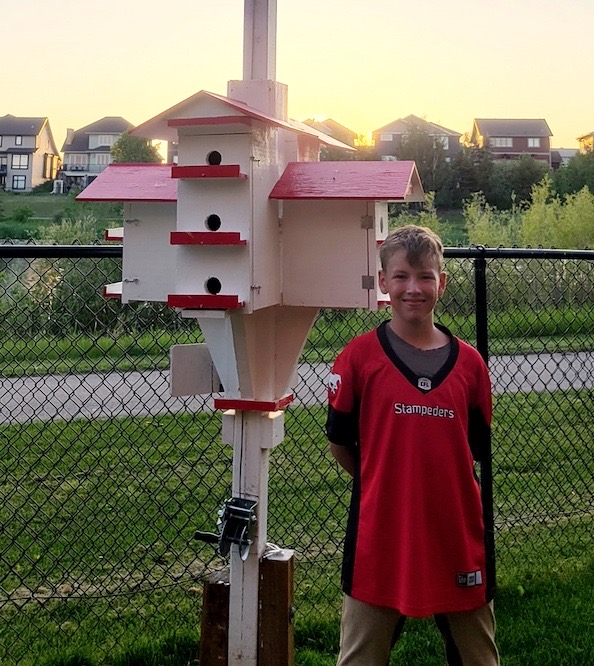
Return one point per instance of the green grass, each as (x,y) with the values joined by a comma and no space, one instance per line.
(99,561)
(453,229)
(565,331)
(40,355)
(518,331)
(47,209)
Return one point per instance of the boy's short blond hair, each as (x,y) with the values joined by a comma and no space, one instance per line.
(419,242)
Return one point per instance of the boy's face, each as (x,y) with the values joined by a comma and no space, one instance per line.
(413,291)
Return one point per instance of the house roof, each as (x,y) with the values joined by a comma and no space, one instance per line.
(204,108)
(585,136)
(371,181)
(406,125)
(108,125)
(334,129)
(11,125)
(566,152)
(150,182)
(499,127)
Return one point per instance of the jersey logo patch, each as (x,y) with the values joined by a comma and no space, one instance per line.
(470,579)
(333,382)
(424,383)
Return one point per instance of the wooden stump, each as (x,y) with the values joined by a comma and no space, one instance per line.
(276,635)
(214,632)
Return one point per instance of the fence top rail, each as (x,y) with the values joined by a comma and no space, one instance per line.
(33,251)
(482,252)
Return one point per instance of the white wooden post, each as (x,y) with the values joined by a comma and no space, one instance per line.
(259,40)
(253,435)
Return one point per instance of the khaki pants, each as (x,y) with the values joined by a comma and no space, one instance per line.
(368,634)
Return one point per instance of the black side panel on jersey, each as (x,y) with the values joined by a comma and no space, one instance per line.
(341,427)
(479,434)
(350,540)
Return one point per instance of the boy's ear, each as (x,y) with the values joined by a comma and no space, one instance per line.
(443,278)
(381,281)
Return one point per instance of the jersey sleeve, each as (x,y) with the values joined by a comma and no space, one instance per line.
(343,404)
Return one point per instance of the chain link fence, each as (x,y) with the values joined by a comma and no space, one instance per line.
(105,477)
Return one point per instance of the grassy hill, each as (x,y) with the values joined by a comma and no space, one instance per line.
(24,216)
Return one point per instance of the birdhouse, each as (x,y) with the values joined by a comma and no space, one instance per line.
(149,198)
(333,216)
(243,224)
(235,226)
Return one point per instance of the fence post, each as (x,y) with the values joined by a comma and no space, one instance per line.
(480,291)
(486,464)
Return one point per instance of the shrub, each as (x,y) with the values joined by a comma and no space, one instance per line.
(23,214)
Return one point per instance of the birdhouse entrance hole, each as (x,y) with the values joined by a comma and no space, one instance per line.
(213,285)
(214,157)
(213,222)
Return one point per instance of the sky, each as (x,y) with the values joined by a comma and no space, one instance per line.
(363,64)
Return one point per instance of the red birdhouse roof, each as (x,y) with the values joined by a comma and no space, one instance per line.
(373,181)
(132,182)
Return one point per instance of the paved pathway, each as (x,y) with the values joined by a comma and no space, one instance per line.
(115,394)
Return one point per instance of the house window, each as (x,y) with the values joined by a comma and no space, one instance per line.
(103,159)
(18,140)
(75,161)
(501,142)
(444,141)
(20,162)
(96,140)
(533,143)
(384,136)
(0,139)
(19,182)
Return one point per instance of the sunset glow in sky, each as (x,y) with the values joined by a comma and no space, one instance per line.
(364,64)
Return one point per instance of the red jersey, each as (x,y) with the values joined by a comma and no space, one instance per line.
(416,538)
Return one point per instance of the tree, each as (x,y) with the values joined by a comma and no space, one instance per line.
(527,174)
(578,173)
(429,155)
(553,221)
(471,169)
(133,149)
(489,226)
(513,180)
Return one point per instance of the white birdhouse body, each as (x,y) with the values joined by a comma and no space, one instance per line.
(228,244)
(148,262)
(329,253)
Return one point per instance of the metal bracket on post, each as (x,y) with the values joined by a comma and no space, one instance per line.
(236,522)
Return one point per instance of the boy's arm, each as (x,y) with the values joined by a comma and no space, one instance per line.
(344,456)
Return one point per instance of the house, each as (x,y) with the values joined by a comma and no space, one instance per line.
(388,139)
(586,142)
(335,130)
(28,153)
(510,138)
(561,156)
(87,150)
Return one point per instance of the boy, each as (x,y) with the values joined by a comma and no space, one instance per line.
(409,412)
